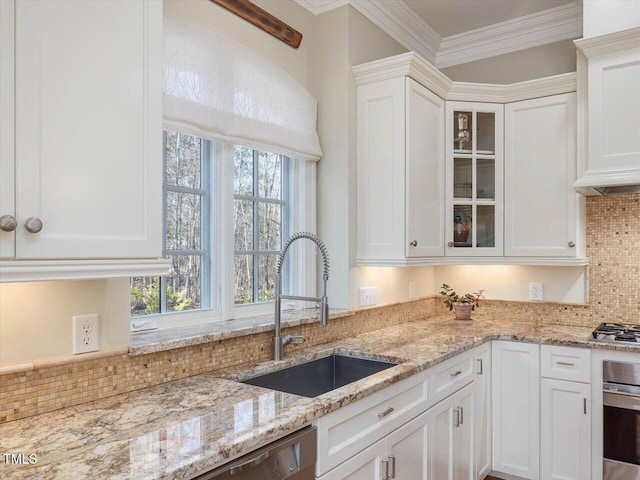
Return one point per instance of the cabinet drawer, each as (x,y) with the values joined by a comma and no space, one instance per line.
(453,374)
(566,363)
(351,429)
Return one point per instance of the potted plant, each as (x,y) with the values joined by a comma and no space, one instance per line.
(462,305)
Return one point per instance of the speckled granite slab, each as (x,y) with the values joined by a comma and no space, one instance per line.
(182,428)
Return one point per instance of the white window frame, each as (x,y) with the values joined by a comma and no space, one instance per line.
(301,259)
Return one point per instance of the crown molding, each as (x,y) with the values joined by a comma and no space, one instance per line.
(402,24)
(406,64)
(541,28)
(320,6)
(609,43)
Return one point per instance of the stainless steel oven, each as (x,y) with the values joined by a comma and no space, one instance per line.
(621,420)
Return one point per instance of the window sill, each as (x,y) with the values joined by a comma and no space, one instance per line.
(184,336)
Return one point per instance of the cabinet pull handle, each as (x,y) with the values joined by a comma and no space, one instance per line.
(568,364)
(584,405)
(385,468)
(450,244)
(392,460)
(456,373)
(571,244)
(385,413)
(414,243)
(481,366)
(457,424)
(33,225)
(8,223)
(461,416)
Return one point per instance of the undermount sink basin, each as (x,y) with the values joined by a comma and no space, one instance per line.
(319,376)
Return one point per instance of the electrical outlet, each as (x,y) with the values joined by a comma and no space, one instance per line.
(85,333)
(412,289)
(367,296)
(536,291)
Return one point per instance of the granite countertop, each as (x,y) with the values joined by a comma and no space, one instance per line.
(185,427)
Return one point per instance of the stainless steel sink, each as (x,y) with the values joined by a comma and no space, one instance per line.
(319,376)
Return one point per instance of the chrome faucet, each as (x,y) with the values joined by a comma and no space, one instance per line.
(279,342)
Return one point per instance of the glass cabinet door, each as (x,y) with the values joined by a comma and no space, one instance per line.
(474,179)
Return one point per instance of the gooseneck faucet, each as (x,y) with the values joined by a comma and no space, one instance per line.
(279,342)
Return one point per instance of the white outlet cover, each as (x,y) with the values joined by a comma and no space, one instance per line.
(367,296)
(536,291)
(86,332)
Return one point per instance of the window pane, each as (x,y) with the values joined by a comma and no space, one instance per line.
(269,175)
(486,133)
(243,171)
(183,283)
(269,221)
(243,279)
(267,277)
(183,221)
(486,178)
(462,178)
(145,295)
(244,225)
(485,226)
(184,153)
(462,132)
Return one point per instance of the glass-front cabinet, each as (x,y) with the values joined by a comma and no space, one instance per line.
(474,179)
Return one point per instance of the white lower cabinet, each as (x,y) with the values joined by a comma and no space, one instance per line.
(401,433)
(515,374)
(482,414)
(565,430)
(541,400)
(452,427)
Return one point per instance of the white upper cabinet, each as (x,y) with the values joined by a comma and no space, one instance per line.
(431,178)
(400,173)
(609,87)
(543,212)
(88,129)
(474,176)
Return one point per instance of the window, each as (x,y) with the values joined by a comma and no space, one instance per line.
(260,182)
(227,211)
(186,212)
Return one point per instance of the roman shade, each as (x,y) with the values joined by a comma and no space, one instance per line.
(220,90)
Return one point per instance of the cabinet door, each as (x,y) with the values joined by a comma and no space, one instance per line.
(482,436)
(7,152)
(614,123)
(463,435)
(474,179)
(424,172)
(381,176)
(541,205)
(515,375)
(451,450)
(366,465)
(407,449)
(89,128)
(565,430)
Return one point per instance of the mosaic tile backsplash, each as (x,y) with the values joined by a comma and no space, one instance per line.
(613,248)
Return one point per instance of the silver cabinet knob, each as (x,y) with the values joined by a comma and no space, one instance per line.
(33,225)
(8,223)
(414,243)
(450,244)
(572,244)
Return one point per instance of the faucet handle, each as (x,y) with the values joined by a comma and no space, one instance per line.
(293,340)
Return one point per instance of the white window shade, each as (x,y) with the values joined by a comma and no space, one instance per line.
(218,89)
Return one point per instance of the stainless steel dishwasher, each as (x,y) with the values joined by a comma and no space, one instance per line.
(292,458)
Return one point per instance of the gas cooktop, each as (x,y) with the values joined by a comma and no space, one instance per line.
(617,333)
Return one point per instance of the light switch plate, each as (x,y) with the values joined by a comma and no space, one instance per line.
(86,332)
(367,296)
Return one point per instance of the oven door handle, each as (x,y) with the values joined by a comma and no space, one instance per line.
(621,400)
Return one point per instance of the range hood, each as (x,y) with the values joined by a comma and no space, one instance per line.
(618,189)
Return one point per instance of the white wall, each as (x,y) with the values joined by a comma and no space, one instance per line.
(35,318)
(511,282)
(537,62)
(606,16)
